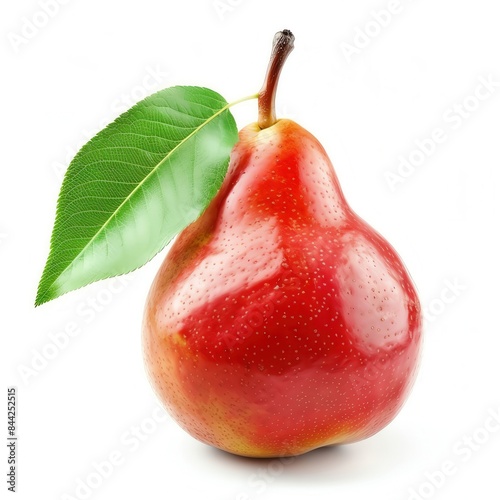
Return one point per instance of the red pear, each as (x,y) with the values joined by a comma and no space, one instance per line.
(280,321)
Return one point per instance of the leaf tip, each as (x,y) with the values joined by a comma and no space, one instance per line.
(42,294)
(39,299)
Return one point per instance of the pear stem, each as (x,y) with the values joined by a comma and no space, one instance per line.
(282,46)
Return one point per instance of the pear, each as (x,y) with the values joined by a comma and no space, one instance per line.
(280,321)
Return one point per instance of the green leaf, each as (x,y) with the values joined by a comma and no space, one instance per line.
(135,185)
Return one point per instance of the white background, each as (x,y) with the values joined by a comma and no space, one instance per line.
(88,63)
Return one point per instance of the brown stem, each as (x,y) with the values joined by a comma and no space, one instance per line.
(282,46)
